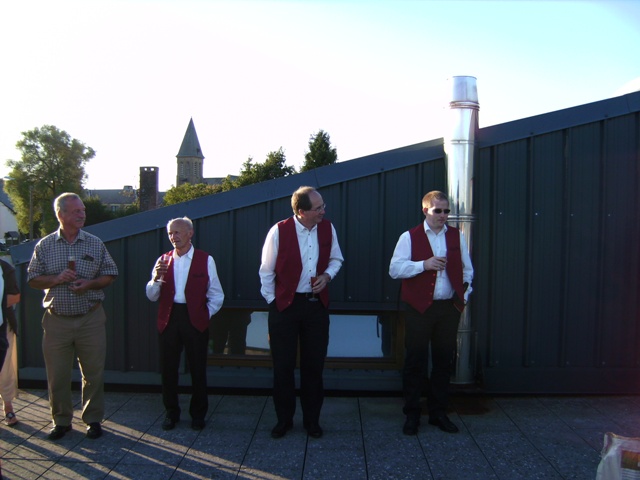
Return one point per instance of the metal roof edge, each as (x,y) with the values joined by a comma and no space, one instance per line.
(559,120)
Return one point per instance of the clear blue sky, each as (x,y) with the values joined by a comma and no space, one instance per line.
(125,76)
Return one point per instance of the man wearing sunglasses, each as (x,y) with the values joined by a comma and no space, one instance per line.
(433,262)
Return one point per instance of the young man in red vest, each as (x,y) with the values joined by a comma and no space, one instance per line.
(433,262)
(296,250)
(190,294)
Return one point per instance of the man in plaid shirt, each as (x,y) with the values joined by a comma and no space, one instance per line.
(72,267)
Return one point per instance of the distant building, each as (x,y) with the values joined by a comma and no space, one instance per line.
(189,169)
(8,221)
(115,199)
(191,161)
(190,158)
(148,188)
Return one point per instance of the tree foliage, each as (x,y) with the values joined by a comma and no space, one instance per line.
(320,152)
(186,192)
(273,167)
(128,210)
(52,163)
(96,211)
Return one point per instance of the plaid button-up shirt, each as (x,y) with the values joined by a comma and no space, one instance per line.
(50,257)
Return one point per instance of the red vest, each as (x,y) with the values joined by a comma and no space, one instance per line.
(418,291)
(195,292)
(289,265)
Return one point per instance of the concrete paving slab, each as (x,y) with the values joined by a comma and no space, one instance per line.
(502,438)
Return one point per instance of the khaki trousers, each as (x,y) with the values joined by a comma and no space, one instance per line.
(63,339)
(9,372)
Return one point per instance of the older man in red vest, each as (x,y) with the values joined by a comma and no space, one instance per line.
(433,262)
(187,285)
(300,257)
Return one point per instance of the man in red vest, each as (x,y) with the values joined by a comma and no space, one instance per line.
(185,280)
(433,262)
(300,257)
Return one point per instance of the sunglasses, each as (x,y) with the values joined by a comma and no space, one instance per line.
(438,211)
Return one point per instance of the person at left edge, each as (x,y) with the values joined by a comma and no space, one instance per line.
(74,319)
(190,294)
(8,329)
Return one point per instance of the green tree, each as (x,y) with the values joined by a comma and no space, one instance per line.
(186,192)
(128,210)
(273,167)
(52,163)
(320,152)
(97,212)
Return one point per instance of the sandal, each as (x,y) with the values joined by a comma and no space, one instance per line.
(10,419)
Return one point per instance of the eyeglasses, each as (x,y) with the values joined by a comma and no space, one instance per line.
(438,211)
(318,209)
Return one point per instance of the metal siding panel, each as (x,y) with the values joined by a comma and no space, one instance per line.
(510,267)
(483,255)
(29,313)
(363,268)
(116,354)
(135,313)
(546,269)
(248,228)
(619,317)
(584,189)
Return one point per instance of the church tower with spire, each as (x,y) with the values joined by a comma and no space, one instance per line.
(190,158)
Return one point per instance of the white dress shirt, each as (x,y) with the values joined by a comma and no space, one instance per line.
(402,266)
(181,266)
(309,251)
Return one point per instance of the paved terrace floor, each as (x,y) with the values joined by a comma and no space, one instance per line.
(500,438)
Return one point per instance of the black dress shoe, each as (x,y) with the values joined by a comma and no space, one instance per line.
(58,432)
(411,425)
(443,423)
(314,430)
(169,424)
(281,428)
(94,430)
(197,424)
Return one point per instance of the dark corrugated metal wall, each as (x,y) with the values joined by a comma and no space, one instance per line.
(555,249)
(556,303)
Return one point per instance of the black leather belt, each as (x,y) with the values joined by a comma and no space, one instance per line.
(306,295)
(77,315)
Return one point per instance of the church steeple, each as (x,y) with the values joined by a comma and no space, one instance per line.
(190,158)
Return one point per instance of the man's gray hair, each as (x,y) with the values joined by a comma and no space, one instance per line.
(61,200)
(186,220)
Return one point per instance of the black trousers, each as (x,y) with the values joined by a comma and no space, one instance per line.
(305,322)
(179,334)
(437,329)
(229,330)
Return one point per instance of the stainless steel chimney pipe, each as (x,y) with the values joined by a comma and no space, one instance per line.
(460,148)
